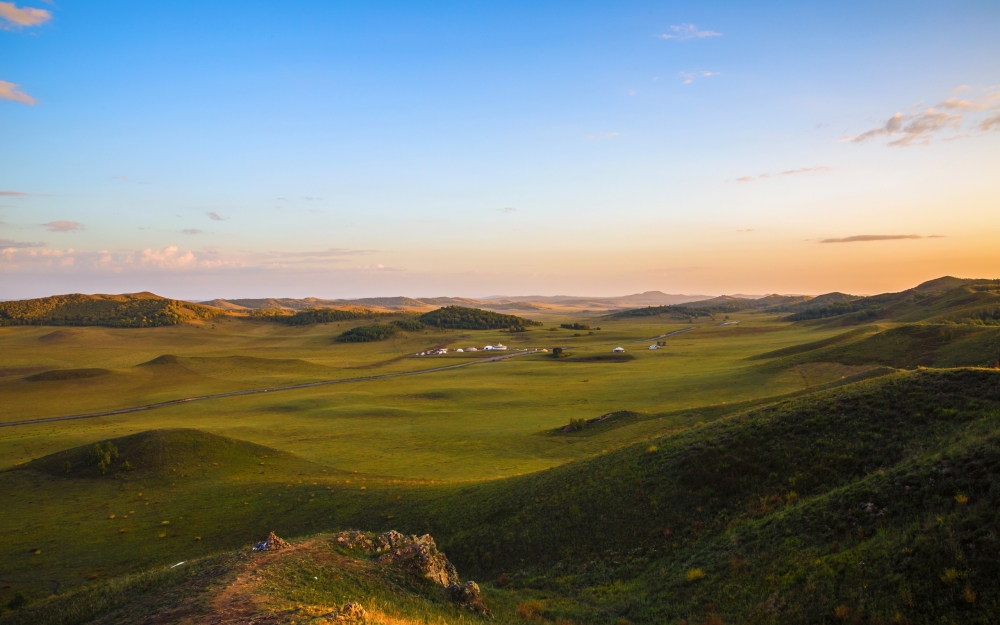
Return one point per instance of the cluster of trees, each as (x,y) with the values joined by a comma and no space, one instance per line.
(459,317)
(143,310)
(410,325)
(575,326)
(685,312)
(366,334)
(326,315)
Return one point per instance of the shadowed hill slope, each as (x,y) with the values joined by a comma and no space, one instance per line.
(945,300)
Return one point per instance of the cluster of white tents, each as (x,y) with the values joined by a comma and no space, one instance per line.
(444,350)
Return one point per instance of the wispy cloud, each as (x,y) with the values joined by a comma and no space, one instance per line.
(327,253)
(63,226)
(915,129)
(10,91)
(604,135)
(689,31)
(13,193)
(860,238)
(689,77)
(12,17)
(191,231)
(13,243)
(507,209)
(788,172)
(214,216)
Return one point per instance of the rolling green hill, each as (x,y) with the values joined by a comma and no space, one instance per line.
(461,318)
(132,310)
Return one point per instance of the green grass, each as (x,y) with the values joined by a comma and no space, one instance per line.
(742,451)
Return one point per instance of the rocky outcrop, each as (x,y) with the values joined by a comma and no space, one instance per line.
(271,543)
(418,555)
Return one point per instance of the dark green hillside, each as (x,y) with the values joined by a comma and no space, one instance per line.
(881,497)
(459,317)
(133,310)
(973,302)
(820,301)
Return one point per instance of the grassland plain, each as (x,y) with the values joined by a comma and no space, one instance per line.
(874,503)
(422,454)
(474,423)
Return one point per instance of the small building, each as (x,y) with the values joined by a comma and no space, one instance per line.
(472,349)
(500,346)
(654,347)
(459,350)
(618,350)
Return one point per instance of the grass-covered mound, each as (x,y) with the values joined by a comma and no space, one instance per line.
(459,317)
(56,375)
(157,452)
(366,334)
(133,310)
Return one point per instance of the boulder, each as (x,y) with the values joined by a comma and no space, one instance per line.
(468,596)
(351,611)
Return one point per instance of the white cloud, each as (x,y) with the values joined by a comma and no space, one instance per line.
(689,77)
(214,216)
(12,17)
(689,31)
(64,226)
(10,91)
(191,231)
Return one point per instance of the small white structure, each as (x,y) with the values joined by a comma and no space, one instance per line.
(618,350)
(472,349)
(500,346)
(653,347)
(459,350)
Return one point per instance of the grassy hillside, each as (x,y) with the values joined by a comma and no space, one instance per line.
(459,317)
(945,300)
(876,499)
(135,310)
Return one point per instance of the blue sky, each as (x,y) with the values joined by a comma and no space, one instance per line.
(336,150)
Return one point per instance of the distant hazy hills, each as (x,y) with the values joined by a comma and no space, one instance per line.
(943,300)
(529,302)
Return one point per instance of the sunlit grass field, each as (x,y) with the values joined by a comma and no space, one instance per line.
(484,421)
